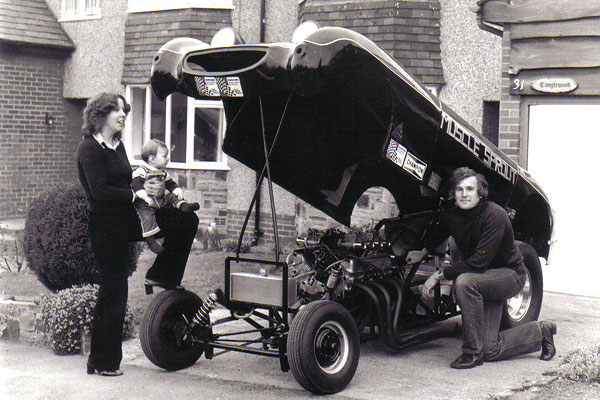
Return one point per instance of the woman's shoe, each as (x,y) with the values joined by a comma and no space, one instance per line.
(150,283)
(110,372)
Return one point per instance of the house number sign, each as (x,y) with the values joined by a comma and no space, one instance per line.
(543,85)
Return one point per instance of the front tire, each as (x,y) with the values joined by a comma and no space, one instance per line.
(323,347)
(526,305)
(164,333)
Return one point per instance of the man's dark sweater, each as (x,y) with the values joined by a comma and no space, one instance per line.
(105,175)
(483,234)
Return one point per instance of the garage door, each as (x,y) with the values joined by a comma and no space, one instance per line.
(564,157)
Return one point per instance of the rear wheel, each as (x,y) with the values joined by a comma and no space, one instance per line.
(526,305)
(323,347)
(164,332)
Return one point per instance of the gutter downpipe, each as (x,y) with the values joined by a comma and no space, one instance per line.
(257,231)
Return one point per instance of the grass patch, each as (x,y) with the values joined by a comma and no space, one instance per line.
(203,274)
(582,365)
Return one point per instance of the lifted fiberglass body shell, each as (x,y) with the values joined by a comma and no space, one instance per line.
(354,118)
(326,119)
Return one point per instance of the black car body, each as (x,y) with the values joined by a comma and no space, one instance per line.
(326,119)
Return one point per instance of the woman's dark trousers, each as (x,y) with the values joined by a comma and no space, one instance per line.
(110,234)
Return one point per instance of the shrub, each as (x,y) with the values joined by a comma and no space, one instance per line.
(57,244)
(68,314)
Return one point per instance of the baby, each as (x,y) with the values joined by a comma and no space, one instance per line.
(156,155)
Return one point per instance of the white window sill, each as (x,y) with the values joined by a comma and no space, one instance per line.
(135,6)
(70,18)
(197,166)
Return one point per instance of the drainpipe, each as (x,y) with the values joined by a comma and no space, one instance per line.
(257,232)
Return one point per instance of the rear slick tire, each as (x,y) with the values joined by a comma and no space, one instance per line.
(526,305)
(323,347)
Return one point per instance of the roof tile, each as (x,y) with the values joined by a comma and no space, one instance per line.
(145,33)
(407,30)
(31,22)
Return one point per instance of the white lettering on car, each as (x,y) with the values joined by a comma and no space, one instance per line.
(479,148)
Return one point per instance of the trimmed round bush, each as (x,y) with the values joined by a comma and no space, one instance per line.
(57,244)
(68,314)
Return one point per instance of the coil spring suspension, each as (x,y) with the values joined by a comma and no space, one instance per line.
(202,317)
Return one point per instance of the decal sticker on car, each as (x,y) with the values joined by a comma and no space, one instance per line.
(435,181)
(414,166)
(396,152)
(400,156)
(218,86)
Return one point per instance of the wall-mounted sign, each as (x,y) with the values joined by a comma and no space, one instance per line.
(556,82)
(554,85)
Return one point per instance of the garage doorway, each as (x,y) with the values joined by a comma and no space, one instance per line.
(563,154)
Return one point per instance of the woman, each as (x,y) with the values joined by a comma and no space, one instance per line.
(491,270)
(105,174)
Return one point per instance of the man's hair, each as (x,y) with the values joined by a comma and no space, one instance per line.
(459,174)
(96,110)
(151,148)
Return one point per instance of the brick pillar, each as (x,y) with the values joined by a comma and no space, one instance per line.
(509,135)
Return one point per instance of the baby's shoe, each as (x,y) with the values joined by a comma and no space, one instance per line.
(189,207)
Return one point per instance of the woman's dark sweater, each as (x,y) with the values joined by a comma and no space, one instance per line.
(105,175)
(484,236)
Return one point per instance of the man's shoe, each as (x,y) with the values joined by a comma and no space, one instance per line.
(548,331)
(466,361)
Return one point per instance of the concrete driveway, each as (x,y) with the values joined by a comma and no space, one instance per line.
(421,372)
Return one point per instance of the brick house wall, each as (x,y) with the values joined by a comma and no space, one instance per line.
(35,156)
(509,133)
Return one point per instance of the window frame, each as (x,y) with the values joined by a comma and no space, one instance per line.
(82,12)
(134,6)
(192,104)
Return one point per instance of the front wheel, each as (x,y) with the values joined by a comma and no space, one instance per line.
(323,347)
(526,305)
(164,332)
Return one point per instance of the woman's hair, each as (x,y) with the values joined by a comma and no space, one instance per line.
(96,110)
(459,174)
(151,148)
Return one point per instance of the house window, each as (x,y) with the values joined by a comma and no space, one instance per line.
(80,9)
(491,121)
(192,129)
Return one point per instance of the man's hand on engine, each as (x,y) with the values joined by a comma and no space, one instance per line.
(416,256)
(429,285)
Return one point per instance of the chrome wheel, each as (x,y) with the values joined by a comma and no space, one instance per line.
(331,347)
(323,347)
(518,305)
